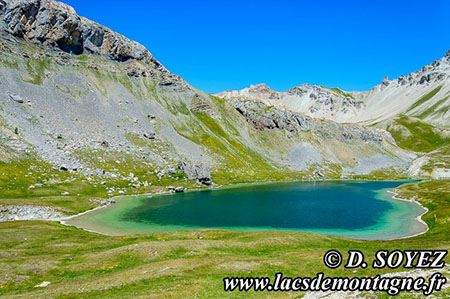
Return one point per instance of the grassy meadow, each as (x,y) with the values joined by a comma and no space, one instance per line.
(191,263)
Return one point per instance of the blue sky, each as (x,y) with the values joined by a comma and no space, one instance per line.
(220,45)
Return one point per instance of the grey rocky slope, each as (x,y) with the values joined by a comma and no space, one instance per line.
(92,103)
(56,25)
(314,101)
(415,109)
(391,98)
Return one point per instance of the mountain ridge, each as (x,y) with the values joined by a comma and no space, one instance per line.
(56,25)
(358,106)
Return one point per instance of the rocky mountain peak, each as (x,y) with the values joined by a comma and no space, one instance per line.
(57,26)
(260,88)
(446,58)
(305,88)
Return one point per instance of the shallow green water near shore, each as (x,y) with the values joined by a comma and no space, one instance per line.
(355,209)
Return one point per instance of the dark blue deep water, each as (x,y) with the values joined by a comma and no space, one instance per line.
(306,205)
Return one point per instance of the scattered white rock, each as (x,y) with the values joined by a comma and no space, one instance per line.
(441,173)
(43,284)
(16,213)
(179,189)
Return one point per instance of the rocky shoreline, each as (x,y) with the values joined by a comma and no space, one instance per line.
(28,212)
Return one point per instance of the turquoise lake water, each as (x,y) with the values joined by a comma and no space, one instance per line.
(355,209)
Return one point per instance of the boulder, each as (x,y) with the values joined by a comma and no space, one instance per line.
(16,98)
(318,174)
(171,171)
(43,284)
(199,172)
(150,135)
(203,174)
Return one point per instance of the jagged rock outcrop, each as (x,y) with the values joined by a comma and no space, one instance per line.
(57,26)
(263,117)
(200,104)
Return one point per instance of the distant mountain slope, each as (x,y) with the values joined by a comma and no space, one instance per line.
(424,94)
(315,101)
(83,108)
(415,109)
